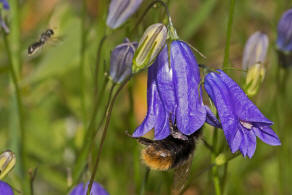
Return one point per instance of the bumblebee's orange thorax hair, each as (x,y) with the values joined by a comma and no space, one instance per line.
(157,159)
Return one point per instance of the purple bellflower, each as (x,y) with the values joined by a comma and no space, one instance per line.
(241,120)
(120,11)
(122,60)
(5,189)
(96,189)
(284,40)
(5,4)
(173,91)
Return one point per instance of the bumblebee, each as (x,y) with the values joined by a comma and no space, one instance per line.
(174,152)
(45,36)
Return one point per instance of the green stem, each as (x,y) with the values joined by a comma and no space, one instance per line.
(215,176)
(82,63)
(97,64)
(81,161)
(146,176)
(21,145)
(226,63)
(108,117)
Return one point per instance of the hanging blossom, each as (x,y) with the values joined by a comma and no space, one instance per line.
(5,188)
(241,120)
(284,40)
(173,90)
(5,4)
(122,60)
(120,11)
(96,189)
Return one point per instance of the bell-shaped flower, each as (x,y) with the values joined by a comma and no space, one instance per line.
(173,91)
(121,61)
(120,11)
(241,120)
(7,162)
(5,4)
(96,189)
(151,43)
(284,40)
(5,188)
(255,50)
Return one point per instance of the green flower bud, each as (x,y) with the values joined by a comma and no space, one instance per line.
(254,78)
(220,159)
(149,46)
(7,162)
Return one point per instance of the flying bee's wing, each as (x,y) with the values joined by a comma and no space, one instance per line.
(181,175)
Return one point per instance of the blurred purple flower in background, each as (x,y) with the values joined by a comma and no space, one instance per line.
(255,50)
(96,189)
(241,120)
(173,91)
(284,41)
(122,60)
(5,189)
(5,4)
(120,11)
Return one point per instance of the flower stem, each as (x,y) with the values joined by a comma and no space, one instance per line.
(226,63)
(81,161)
(108,117)
(81,66)
(215,176)
(146,176)
(21,145)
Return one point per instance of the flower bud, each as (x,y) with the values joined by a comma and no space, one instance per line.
(122,60)
(254,79)
(284,40)
(255,50)
(7,162)
(152,41)
(220,159)
(120,11)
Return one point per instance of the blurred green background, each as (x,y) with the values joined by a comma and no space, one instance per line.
(57,90)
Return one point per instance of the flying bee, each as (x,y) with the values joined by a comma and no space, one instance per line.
(174,152)
(45,36)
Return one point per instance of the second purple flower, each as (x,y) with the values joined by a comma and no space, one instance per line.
(173,91)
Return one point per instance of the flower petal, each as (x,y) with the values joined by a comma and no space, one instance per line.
(190,112)
(244,107)
(267,135)
(211,119)
(235,143)
(220,95)
(5,188)
(154,105)
(164,81)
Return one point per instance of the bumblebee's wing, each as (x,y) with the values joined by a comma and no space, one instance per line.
(181,174)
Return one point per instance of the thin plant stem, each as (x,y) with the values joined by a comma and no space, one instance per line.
(144,184)
(22,161)
(224,178)
(147,10)
(79,168)
(97,64)
(82,63)
(108,117)
(215,176)
(226,63)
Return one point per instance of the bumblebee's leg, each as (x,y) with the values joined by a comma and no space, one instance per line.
(141,140)
(175,132)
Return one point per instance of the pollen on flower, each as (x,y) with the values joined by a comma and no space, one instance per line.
(246,125)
